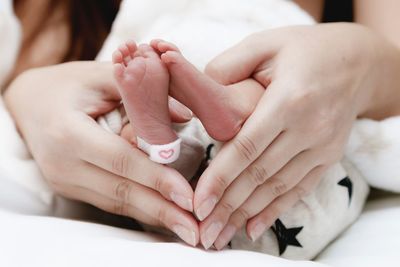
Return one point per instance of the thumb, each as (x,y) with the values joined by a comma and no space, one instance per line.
(179,112)
(240,61)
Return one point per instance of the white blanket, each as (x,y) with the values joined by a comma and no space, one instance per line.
(374,147)
(44,241)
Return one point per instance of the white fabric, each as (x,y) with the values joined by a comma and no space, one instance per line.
(372,241)
(323,215)
(374,147)
(192,26)
(43,241)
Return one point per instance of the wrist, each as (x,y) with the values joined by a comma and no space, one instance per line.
(17,101)
(379,91)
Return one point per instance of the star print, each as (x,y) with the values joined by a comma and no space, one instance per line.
(346,182)
(286,236)
(208,151)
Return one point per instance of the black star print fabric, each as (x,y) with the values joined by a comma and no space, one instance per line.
(286,236)
(303,232)
(346,182)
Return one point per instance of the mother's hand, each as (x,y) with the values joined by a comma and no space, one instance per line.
(318,80)
(55,110)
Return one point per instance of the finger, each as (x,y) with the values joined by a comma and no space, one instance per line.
(258,224)
(128,134)
(277,185)
(179,112)
(90,72)
(240,61)
(141,203)
(114,154)
(261,128)
(278,154)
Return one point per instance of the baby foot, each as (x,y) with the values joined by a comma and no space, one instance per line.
(143,82)
(220,111)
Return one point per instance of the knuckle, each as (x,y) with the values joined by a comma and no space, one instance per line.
(123,191)
(242,215)
(227,207)
(162,185)
(278,187)
(300,192)
(120,164)
(120,208)
(272,212)
(245,147)
(257,174)
(161,217)
(157,183)
(221,183)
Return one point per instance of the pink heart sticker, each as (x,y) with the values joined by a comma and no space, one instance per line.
(166,154)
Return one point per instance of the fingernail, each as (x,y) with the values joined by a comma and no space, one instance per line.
(189,236)
(181,201)
(188,114)
(225,236)
(206,207)
(184,111)
(211,234)
(257,231)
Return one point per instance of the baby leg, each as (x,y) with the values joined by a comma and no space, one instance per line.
(221,109)
(143,82)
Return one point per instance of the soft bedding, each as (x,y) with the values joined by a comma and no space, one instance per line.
(34,240)
(46,241)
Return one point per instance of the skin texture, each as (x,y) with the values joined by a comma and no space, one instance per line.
(222,109)
(82,161)
(143,82)
(381,102)
(300,125)
(111,175)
